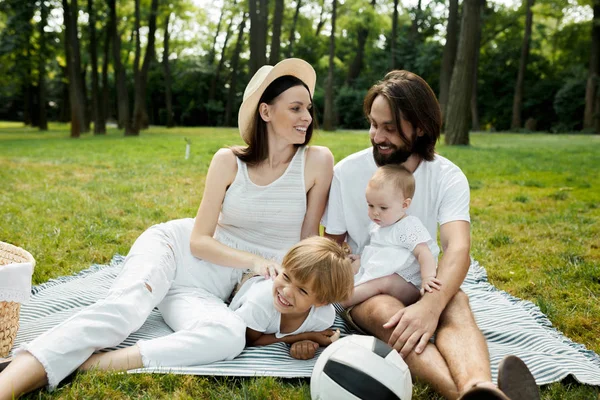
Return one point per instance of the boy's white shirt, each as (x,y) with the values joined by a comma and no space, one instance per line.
(254,304)
(441,196)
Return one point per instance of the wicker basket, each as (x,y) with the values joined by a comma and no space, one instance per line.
(9,310)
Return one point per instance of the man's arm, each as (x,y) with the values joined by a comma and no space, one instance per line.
(416,324)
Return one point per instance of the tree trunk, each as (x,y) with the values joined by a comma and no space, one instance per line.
(121,79)
(138,45)
(167,71)
(357,63)
(258,34)
(234,73)
(215,81)
(394,37)
(105,92)
(74,61)
(276,35)
(65,107)
(414,27)
(591,118)
(321,19)
(329,113)
(213,50)
(25,64)
(139,109)
(518,98)
(449,56)
(99,125)
(475,125)
(290,49)
(461,85)
(43,120)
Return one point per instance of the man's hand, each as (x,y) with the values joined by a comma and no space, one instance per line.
(415,325)
(304,350)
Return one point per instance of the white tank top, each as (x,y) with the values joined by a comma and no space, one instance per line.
(264,220)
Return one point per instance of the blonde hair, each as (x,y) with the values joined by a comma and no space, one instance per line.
(401,179)
(323,264)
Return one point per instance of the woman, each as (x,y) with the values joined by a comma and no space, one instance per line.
(258,201)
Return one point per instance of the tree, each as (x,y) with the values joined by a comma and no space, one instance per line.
(167,72)
(43,121)
(394,38)
(139,108)
(449,56)
(591,118)
(518,98)
(362,34)
(276,35)
(290,49)
(213,49)
(227,118)
(122,95)
(105,59)
(461,85)
(258,34)
(98,112)
(215,81)
(76,96)
(329,113)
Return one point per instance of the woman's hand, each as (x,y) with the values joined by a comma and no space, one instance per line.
(304,350)
(267,269)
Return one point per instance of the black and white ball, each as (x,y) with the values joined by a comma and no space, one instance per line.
(360,367)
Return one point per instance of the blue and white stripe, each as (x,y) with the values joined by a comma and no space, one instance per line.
(510,325)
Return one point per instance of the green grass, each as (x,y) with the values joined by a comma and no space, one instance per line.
(535,225)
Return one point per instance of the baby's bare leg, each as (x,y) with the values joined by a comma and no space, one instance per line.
(393,285)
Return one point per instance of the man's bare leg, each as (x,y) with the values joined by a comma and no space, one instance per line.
(428,366)
(462,345)
(24,374)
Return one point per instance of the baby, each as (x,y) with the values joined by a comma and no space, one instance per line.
(295,307)
(398,260)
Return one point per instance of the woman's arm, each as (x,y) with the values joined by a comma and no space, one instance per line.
(318,176)
(221,173)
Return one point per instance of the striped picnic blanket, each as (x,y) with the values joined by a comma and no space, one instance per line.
(510,325)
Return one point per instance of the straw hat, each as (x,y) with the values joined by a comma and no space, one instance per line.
(262,79)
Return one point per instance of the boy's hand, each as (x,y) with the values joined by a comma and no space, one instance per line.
(429,284)
(304,350)
(322,338)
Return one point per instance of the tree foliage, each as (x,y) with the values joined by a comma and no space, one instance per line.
(207,73)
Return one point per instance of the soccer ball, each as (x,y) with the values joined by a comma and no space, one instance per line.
(360,367)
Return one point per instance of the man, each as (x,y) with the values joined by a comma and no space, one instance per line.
(405,123)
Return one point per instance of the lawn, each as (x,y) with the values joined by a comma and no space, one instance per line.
(535,208)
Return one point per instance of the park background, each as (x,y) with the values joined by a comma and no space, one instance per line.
(93,148)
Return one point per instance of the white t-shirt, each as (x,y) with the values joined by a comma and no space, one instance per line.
(390,251)
(441,196)
(254,303)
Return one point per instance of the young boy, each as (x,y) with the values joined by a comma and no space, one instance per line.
(295,307)
(398,260)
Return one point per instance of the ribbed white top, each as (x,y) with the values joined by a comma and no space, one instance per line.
(264,220)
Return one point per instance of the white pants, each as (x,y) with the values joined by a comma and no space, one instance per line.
(157,273)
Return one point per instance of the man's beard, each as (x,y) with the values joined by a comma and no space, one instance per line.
(398,156)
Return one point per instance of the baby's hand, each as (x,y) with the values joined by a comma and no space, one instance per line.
(430,283)
(304,350)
